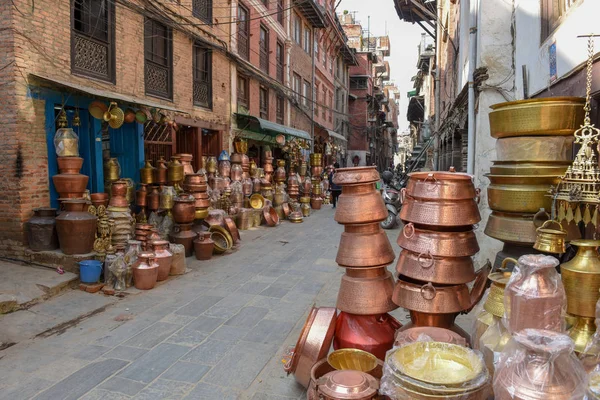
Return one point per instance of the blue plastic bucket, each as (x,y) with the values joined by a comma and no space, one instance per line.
(90,270)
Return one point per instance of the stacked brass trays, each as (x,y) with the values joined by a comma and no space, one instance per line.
(439,211)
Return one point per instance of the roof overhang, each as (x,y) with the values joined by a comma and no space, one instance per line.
(259,125)
(336,135)
(312,12)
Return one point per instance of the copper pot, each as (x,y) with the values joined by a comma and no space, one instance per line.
(186,161)
(440,212)
(76,228)
(313,344)
(184,235)
(367,295)
(195,187)
(153,199)
(69,165)
(445,321)
(70,183)
(441,186)
(316,171)
(163,257)
(323,367)
(195,179)
(427,268)
(215,217)
(203,247)
(436,334)
(270,215)
(99,199)
(118,189)
(347,384)
(141,196)
(355,176)
(160,173)
(184,209)
(145,273)
(360,204)
(440,244)
(371,333)
(316,203)
(365,245)
(539,365)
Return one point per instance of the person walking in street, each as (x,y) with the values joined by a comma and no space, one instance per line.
(335,189)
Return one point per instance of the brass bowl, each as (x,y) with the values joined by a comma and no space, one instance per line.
(552,116)
(535,149)
(222,238)
(367,295)
(257,201)
(523,179)
(547,168)
(519,198)
(511,228)
(353,359)
(201,213)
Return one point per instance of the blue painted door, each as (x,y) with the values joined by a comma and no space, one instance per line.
(124,146)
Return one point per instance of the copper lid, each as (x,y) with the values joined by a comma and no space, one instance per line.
(425,333)
(348,384)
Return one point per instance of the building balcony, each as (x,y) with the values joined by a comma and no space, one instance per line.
(313,12)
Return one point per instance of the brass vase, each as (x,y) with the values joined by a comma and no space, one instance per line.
(582,332)
(581,278)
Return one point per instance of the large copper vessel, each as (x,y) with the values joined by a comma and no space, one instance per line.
(440,244)
(163,258)
(535,296)
(313,344)
(552,116)
(184,209)
(581,279)
(443,270)
(365,245)
(432,299)
(360,197)
(186,162)
(535,148)
(368,294)
(443,213)
(41,230)
(539,365)
(184,235)
(371,333)
(69,183)
(441,186)
(145,273)
(76,228)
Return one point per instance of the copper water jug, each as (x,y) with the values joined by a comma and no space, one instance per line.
(160,173)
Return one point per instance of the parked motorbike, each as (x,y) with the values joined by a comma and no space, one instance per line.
(391,198)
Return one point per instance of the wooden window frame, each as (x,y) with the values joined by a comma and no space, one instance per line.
(243,101)
(552,16)
(306,92)
(202,80)
(280,55)
(306,39)
(297,29)
(263,105)
(243,35)
(198,13)
(280,110)
(297,86)
(264,49)
(150,57)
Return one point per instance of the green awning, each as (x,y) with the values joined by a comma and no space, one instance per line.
(259,125)
(259,137)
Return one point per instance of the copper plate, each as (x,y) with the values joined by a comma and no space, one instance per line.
(313,344)
(427,268)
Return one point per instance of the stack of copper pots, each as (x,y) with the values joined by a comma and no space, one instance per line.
(69,183)
(142,231)
(186,162)
(118,211)
(439,210)
(196,185)
(365,295)
(533,149)
(316,169)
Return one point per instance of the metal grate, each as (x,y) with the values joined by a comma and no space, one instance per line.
(158,141)
(90,57)
(202,9)
(157,80)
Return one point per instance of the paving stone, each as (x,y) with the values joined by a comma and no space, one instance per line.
(209,352)
(287,281)
(268,331)
(199,306)
(307,287)
(187,337)
(205,391)
(82,381)
(99,394)
(273,272)
(25,389)
(164,390)
(241,365)
(90,352)
(177,319)
(205,324)
(229,306)
(275,291)
(267,396)
(253,287)
(247,317)
(122,385)
(149,366)
(186,372)
(229,333)
(126,353)
(152,335)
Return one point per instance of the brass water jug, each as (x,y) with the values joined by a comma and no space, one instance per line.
(581,278)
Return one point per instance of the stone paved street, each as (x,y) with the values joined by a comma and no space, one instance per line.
(218,332)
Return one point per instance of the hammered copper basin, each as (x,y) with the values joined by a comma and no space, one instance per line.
(431,299)
(441,186)
(427,268)
(360,205)
(366,295)
(355,176)
(440,244)
(440,213)
(364,246)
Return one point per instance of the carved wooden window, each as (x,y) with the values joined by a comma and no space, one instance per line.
(279,56)
(158,50)
(553,14)
(243,35)
(93,38)
(202,9)
(242,92)
(202,65)
(280,110)
(264,49)
(264,103)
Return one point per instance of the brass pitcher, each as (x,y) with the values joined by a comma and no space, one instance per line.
(147,173)
(551,238)
(112,170)
(581,278)
(495,301)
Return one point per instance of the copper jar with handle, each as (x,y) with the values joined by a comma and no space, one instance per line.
(163,258)
(364,245)
(428,268)
(442,213)
(440,244)
(76,228)
(184,235)
(145,273)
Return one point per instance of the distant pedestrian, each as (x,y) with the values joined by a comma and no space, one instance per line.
(335,189)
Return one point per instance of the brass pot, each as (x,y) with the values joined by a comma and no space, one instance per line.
(519,198)
(582,332)
(550,240)
(313,343)
(523,179)
(427,268)
(581,278)
(535,149)
(441,186)
(360,204)
(495,300)
(512,227)
(364,246)
(147,173)
(440,213)
(111,169)
(552,116)
(548,168)
(440,244)
(367,295)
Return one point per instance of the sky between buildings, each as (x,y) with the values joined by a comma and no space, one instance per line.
(404,41)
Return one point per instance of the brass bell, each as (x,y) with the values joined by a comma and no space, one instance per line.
(551,238)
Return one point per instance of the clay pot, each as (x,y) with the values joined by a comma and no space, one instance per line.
(184,235)
(76,228)
(203,247)
(163,258)
(368,292)
(365,245)
(145,273)
(153,199)
(70,183)
(41,230)
(160,173)
(371,333)
(184,209)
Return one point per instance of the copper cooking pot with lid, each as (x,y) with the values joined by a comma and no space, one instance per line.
(347,385)
(427,268)
(439,212)
(440,244)
(441,186)
(322,368)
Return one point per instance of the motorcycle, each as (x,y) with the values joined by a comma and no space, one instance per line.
(391,198)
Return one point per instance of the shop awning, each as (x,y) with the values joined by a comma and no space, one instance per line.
(259,137)
(250,122)
(336,135)
(107,94)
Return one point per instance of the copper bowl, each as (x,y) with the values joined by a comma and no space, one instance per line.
(421,333)
(194,179)
(322,368)
(270,215)
(347,384)
(222,239)
(193,188)
(440,213)
(233,230)
(427,268)
(431,299)
(355,176)
(286,209)
(367,295)
(364,246)
(441,186)
(313,344)
(360,205)
(440,244)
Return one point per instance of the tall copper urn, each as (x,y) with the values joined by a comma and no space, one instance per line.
(76,228)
